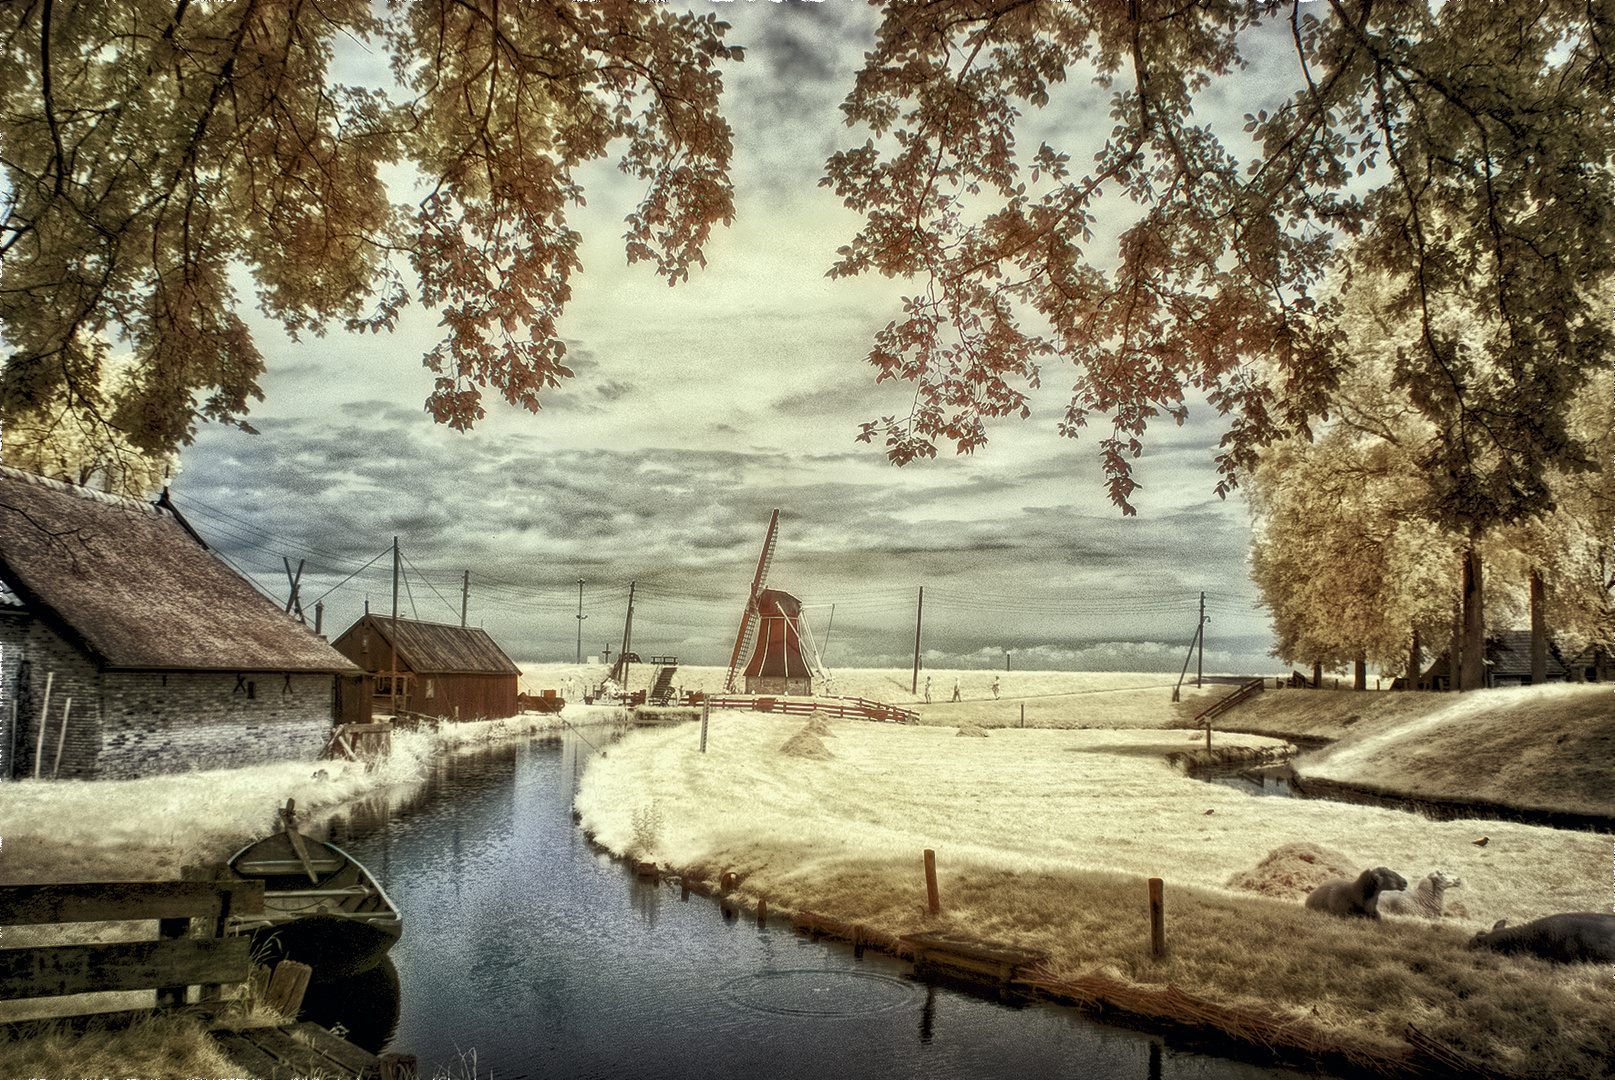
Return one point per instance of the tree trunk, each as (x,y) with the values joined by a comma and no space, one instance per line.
(1360,674)
(1455,650)
(1415,662)
(1539,629)
(1474,646)
(1317,675)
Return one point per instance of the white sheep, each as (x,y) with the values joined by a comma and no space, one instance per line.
(1425,899)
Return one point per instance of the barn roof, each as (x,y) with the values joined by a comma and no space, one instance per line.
(137,588)
(440,649)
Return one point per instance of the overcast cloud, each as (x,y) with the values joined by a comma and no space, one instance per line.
(695,411)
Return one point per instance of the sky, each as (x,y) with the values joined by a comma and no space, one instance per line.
(697,410)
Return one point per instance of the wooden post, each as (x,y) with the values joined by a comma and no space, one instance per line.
(61,740)
(287,986)
(930,882)
(762,911)
(44,716)
(706,709)
(1023,714)
(1157,919)
(397,1066)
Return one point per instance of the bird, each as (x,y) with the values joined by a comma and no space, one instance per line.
(1211,811)
(1481,842)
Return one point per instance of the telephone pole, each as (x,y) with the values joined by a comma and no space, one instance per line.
(918,612)
(465,596)
(393,649)
(581,617)
(1200,637)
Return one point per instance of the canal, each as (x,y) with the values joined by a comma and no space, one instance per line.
(529,953)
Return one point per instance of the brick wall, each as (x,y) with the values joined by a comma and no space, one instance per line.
(124,725)
(35,657)
(157,723)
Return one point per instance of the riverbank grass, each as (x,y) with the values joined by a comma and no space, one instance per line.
(1044,840)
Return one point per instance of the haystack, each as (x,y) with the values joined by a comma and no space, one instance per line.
(973,731)
(805,744)
(1292,871)
(818,722)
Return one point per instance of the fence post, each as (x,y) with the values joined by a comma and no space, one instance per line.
(930,882)
(1157,919)
(705,711)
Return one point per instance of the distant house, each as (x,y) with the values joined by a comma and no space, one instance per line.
(457,672)
(1508,663)
(127,648)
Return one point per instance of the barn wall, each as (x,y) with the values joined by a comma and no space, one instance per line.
(477,697)
(175,722)
(33,654)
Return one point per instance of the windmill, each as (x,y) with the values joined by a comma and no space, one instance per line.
(784,657)
(750,618)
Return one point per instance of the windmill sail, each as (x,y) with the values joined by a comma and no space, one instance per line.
(748,620)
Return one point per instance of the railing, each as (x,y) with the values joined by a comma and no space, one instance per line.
(1222,705)
(854,708)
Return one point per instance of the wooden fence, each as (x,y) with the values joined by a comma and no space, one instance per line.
(847,708)
(170,963)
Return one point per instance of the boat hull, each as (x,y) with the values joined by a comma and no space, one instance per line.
(339,922)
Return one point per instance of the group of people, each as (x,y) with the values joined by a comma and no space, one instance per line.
(956,694)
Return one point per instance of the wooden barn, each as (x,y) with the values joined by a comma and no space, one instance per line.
(457,672)
(779,665)
(128,649)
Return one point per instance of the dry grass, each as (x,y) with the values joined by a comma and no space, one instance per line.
(166,1047)
(1043,839)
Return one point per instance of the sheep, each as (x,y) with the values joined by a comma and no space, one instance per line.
(1563,939)
(1424,901)
(1355,898)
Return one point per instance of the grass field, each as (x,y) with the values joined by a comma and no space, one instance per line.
(1044,838)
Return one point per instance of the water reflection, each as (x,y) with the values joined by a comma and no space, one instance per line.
(524,942)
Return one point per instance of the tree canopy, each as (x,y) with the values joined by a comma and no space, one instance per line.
(152,146)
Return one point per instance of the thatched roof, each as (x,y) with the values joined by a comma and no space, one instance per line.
(135,588)
(440,649)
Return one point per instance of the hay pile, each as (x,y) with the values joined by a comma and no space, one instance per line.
(818,723)
(973,731)
(1293,870)
(805,744)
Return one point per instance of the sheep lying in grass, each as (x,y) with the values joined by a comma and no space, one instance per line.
(1576,937)
(1355,898)
(1424,901)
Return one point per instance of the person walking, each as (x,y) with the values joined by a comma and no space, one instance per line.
(956,688)
(928,689)
(995,687)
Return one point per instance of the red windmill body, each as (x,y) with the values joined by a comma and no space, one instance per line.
(778,664)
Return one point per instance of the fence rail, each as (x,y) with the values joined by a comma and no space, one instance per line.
(1222,705)
(854,708)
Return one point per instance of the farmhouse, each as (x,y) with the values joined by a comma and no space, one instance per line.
(457,672)
(1508,663)
(127,648)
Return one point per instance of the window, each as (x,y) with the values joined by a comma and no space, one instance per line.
(429,688)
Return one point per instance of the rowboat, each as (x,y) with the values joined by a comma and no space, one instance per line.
(321,906)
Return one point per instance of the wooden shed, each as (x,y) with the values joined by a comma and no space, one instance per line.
(455,672)
(127,648)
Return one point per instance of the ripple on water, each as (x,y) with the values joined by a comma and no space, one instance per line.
(817,992)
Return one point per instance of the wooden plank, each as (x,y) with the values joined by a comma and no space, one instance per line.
(33,905)
(249,1056)
(354,1059)
(54,970)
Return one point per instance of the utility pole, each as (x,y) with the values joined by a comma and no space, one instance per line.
(918,612)
(465,596)
(581,617)
(627,637)
(1201,638)
(393,649)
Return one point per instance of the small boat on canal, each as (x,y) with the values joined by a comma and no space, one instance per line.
(321,906)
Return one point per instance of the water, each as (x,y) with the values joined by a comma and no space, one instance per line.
(546,958)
